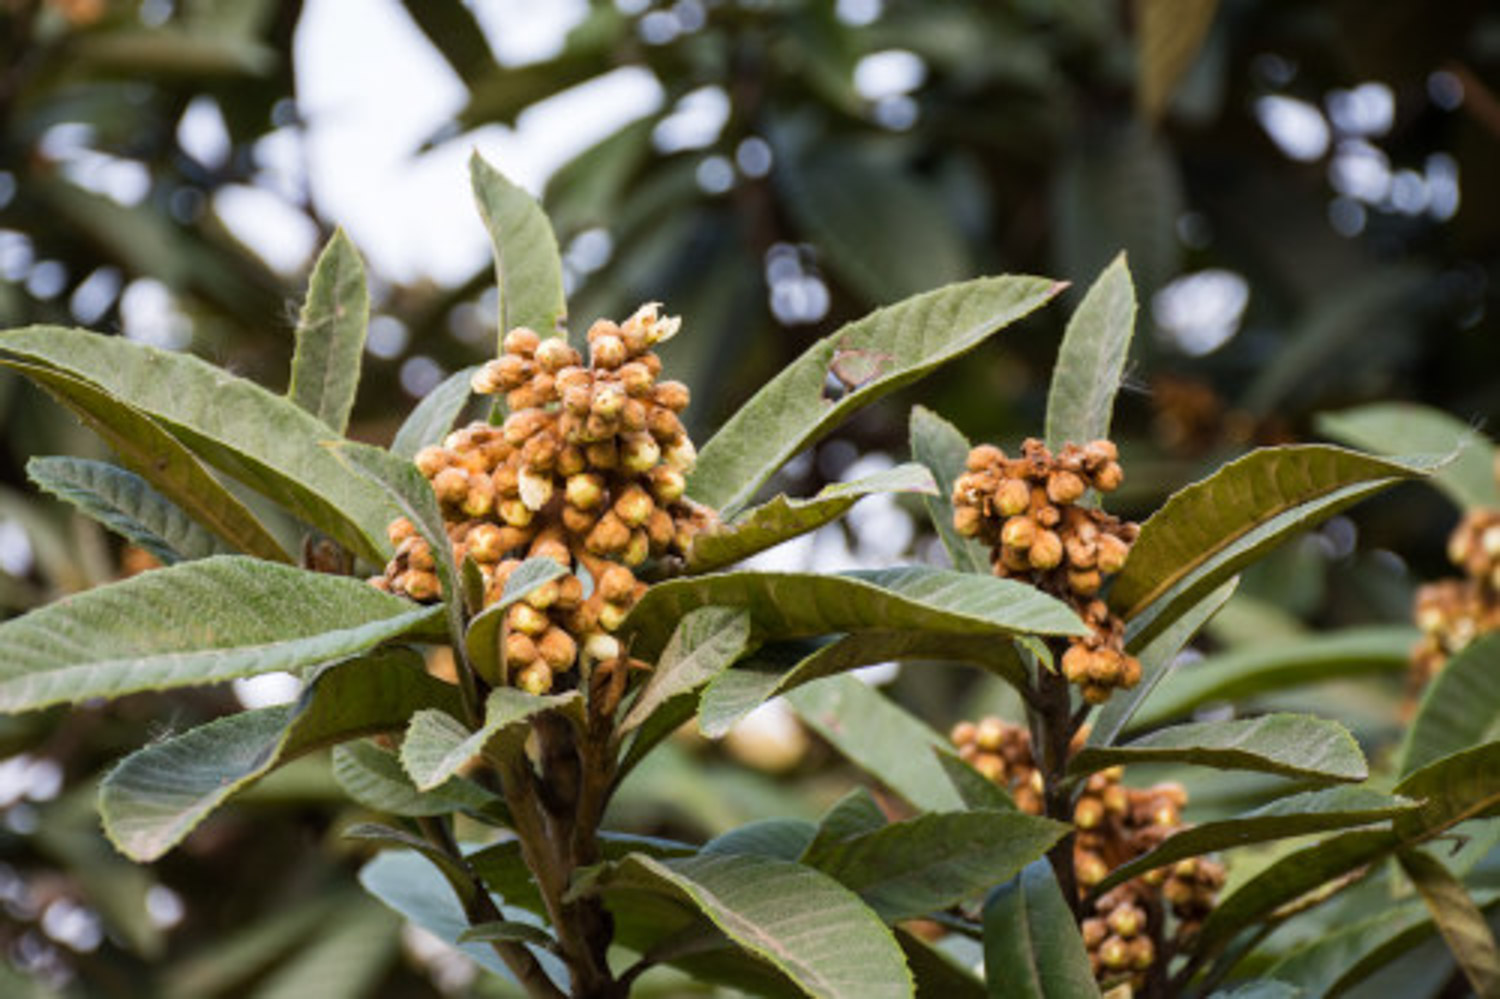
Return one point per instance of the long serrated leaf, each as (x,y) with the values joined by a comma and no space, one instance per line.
(1296,815)
(1283,744)
(793,605)
(1453,789)
(1209,530)
(944,450)
(437,745)
(1091,361)
(433,417)
(528,270)
(374,777)
(1032,949)
(1157,659)
(1458,918)
(260,438)
(787,839)
(707,642)
(806,924)
(128,505)
(159,458)
(880,738)
(195,623)
(1395,428)
(738,692)
(331,335)
(892,347)
(926,864)
(855,814)
(1459,709)
(1278,665)
(782,519)
(160,793)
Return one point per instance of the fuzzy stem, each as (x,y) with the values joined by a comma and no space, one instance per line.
(1056,728)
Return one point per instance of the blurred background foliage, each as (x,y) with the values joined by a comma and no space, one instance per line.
(1301,187)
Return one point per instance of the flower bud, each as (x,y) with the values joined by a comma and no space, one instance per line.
(527,619)
(1108,476)
(1142,953)
(539,453)
(639,548)
(1130,671)
(1018,532)
(664,425)
(601,647)
(1085,583)
(1046,551)
(662,531)
(603,327)
(1112,554)
(578,399)
(1104,667)
(634,506)
(1088,813)
(989,734)
(636,379)
(380,583)
(1100,452)
(521,341)
(985,456)
(1012,497)
(569,593)
(451,486)
(578,521)
(603,455)
(514,512)
(570,461)
(607,401)
(638,453)
(672,396)
(611,616)
(481,496)
(507,480)
(1114,954)
(543,595)
(1094,931)
(558,650)
(1082,554)
(522,424)
(484,544)
(400,529)
(667,484)
(680,455)
(585,490)
(432,459)
(609,536)
(536,489)
(520,650)
(419,584)
(512,538)
(607,352)
(551,544)
(1075,663)
(1063,487)
(1127,920)
(535,679)
(553,354)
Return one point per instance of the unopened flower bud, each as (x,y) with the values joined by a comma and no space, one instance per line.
(481,496)
(400,529)
(607,352)
(432,459)
(1142,953)
(667,484)
(521,341)
(520,650)
(990,766)
(1075,663)
(522,424)
(634,417)
(1108,477)
(578,399)
(611,616)
(543,595)
(1127,920)
(536,489)
(1088,813)
(680,455)
(662,530)
(638,453)
(634,506)
(1063,487)
(558,650)
(608,399)
(1085,583)
(514,512)
(1114,954)
(578,521)
(636,379)
(1046,551)
(673,396)
(664,425)
(985,456)
(609,536)
(527,619)
(601,647)
(569,593)
(553,354)
(989,734)
(451,486)
(420,584)
(639,548)
(968,521)
(535,679)
(1018,532)
(1012,497)
(484,544)
(603,455)
(1094,931)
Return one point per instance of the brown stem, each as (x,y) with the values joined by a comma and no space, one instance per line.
(480,908)
(1057,728)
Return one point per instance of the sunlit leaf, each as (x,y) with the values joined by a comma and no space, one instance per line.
(1460,707)
(1396,428)
(940,446)
(1032,949)
(1091,360)
(707,642)
(528,270)
(1458,918)
(433,417)
(437,745)
(331,335)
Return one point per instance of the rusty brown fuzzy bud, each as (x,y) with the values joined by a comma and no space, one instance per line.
(1100,452)
(1112,554)
(990,766)
(664,425)
(1127,920)
(521,341)
(585,490)
(1108,477)
(636,379)
(399,530)
(1088,813)
(553,355)
(1012,497)
(1018,532)
(1075,663)
(667,484)
(634,417)
(1085,583)
(520,650)
(609,536)
(484,544)
(603,455)
(528,396)
(615,584)
(1095,693)
(419,584)
(578,521)
(652,363)
(603,327)
(611,616)
(985,456)
(673,396)
(1063,487)
(681,455)
(607,351)
(1142,953)
(543,596)
(522,423)
(551,544)
(661,529)
(989,734)
(1046,551)
(535,678)
(638,453)
(569,593)
(639,548)
(480,498)
(527,619)
(514,512)
(1082,554)
(558,650)
(634,506)
(451,486)
(507,480)
(968,521)
(570,461)
(432,459)
(962,733)
(1094,931)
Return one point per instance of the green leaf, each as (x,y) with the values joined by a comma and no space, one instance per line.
(707,642)
(159,458)
(409,885)
(1158,659)
(1460,707)
(159,794)
(974,788)
(938,973)
(1451,790)
(433,417)
(389,836)
(855,814)
(1295,815)
(792,605)
(1278,665)
(1169,34)
(804,923)
(1308,870)
(782,519)
(1261,990)
(1208,531)
(195,623)
(1032,949)
(926,864)
(893,347)
(486,629)
(1091,361)
(737,692)
(528,270)
(1458,918)
(437,744)
(785,839)
(1284,744)
(126,504)
(374,777)
(1410,428)
(412,494)
(504,930)
(258,437)
(940,446)
(880,738)
(331,335)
